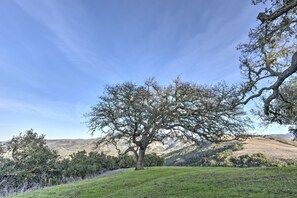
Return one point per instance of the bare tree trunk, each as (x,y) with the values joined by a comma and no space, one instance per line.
(140,160)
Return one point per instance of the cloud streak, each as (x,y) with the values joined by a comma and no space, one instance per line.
(58,55)
(69,35)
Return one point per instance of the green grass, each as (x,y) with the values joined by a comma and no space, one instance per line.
(183,182)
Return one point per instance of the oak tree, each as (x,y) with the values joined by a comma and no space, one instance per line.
(132,116)
(269,58)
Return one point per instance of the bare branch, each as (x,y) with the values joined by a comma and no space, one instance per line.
(271,17)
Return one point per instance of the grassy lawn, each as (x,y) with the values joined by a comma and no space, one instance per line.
(183,182)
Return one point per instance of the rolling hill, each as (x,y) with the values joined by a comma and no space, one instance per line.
(274,147)
(66,147)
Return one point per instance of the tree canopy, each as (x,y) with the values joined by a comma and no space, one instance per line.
(269,58)
(286,107)
(137,115)
(32,158)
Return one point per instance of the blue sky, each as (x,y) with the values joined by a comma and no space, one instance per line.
(56,56)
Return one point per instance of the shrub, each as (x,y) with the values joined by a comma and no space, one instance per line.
(126,161)
(32,163)
(153,160)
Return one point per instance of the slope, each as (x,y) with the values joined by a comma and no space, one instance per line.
(182,182)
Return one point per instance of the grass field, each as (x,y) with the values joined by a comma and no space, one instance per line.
(182,182)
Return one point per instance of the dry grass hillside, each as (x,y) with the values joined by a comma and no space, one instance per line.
(274,147)
(65,147)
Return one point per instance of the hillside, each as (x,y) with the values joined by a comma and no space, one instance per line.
(66,147)
(274,147)
(182,182)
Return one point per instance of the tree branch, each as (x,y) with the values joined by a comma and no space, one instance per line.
(264,17)
(281,78)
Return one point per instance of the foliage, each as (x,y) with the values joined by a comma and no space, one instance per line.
(269,59)
(287,107)
(137,115)
(126,161)
(255,160)
(183,182)
(1,150)
(33,164)
(82,164)
(153,160)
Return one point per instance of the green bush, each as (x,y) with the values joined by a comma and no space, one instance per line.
(153,160)
(126,161)
(31,164)
(82,164)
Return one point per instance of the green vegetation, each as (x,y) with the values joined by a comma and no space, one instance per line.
(33,165)
(183,182)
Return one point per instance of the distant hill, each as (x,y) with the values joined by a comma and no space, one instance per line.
(288,135)
(273,146)
(66,147)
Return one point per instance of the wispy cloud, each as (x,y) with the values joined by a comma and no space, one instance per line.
(210,55)
(70,35)
(57,55)
(52,110)
(56,119)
